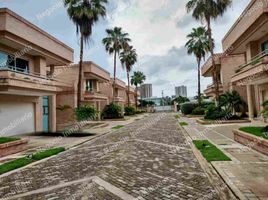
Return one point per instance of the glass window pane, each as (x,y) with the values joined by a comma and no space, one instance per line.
(6,60)
(22,65)
(265,46)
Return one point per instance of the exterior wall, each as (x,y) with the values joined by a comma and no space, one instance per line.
(228,66)
(21,28)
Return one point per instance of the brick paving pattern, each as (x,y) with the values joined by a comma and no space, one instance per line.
(148,159)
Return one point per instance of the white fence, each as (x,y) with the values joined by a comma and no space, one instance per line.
(163,108)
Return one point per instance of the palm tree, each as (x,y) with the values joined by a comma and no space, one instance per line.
(198,44)
(232,102)
(114,43)
(128,58)
(137,79)
(208,10)
(84,14)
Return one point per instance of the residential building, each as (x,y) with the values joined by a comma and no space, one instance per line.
(146,90)
(96,89)
(132,96)
(244,63)
(181,91)
(120,92)
(28,90)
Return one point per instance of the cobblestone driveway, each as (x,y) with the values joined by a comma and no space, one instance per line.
(148,159)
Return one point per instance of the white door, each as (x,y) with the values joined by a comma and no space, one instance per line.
(16,118)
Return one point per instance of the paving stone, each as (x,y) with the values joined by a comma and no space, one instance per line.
(138,159)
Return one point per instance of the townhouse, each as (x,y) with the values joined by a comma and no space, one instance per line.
(28,90)
(244,63)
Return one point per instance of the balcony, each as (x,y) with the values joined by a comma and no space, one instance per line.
(119,99)
(12,81)
(119,84)
(211,91)
(253,70)
(206,69)
(16,32)
(95,72)
(251,26)
(94,95)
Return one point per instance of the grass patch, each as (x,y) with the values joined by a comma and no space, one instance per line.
(177,116)
(7,139)
(21,162)
(209,151)
(257,131)
(14,164)
(183,123)
(47,153)
(117,127)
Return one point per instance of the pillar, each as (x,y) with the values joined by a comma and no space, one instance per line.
(52,113)
(250,102)
(39,115)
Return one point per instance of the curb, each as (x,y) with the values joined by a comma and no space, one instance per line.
(223,189)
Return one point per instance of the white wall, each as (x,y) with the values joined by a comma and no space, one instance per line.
(16,118)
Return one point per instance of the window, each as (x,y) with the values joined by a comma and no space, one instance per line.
(264,47)
(89,85)
(17,64)
(22,65)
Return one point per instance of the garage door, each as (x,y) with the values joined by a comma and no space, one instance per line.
(16,118)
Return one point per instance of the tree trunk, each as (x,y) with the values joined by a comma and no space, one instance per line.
(79,85)
(214,67)
(128,100)
(136,98)
(114,76)
(199,84)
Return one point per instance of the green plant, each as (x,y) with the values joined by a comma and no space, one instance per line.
(199,111)
(114,43)
(232,102)
(257,131)
(188,107)
(209,151)
(8,139)
(86,112)
(128,58)
(63,107)
(177,116)
(112,111)
(215,113)
(183,123)
(47,153)
(129,110)
(84,14)
(198,45)
(138,78)
(140,111)
(117,127)
(14,164)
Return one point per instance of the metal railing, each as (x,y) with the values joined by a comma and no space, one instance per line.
(255,60)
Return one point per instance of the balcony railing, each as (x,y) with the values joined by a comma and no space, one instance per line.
(255,60)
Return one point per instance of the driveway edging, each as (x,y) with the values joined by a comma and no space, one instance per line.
(225,193)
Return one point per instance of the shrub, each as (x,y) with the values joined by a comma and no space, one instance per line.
(215,113)
(199,111)
(187,108)
(140,111)
(206,104)
(130,110)
(112,111)
(86,112)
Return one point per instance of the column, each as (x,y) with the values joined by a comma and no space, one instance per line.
(250,102)
(52,113)
(38,115)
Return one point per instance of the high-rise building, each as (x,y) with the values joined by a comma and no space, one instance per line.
(146,90)
(181,91)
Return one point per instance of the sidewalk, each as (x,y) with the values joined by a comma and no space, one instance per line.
(247,173)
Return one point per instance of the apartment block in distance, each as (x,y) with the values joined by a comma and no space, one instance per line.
(146,90)
(244,63)
(181,91)
(28,90)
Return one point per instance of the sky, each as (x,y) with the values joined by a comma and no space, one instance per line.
(158,29)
